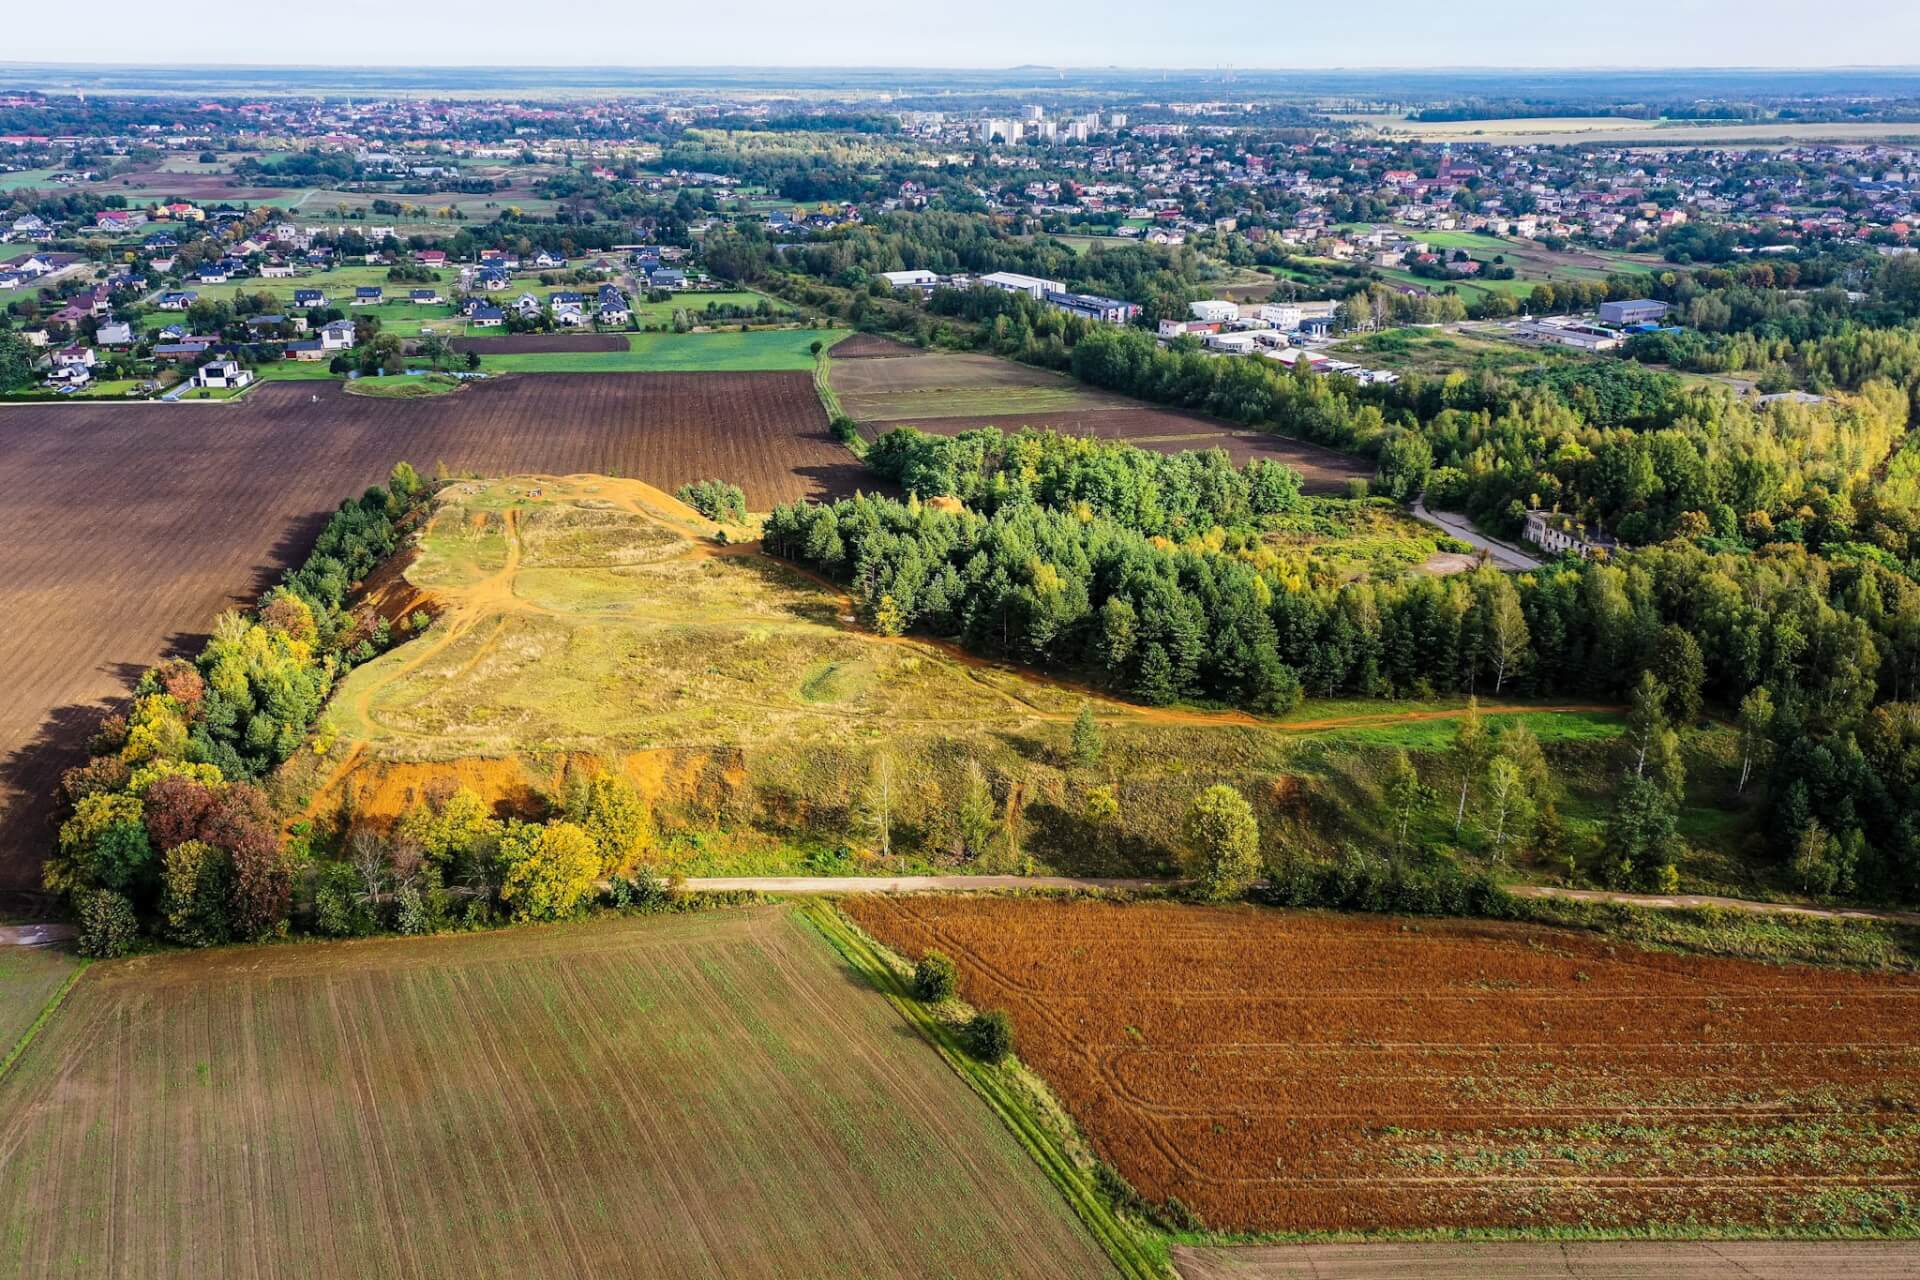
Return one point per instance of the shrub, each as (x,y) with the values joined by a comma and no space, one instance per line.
(933,977)
(717,500)
(107,924)
(989,1036)
(845,429)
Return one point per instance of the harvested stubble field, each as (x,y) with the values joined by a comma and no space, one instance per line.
(127,527)
(948,394)
(710,1095)
(1288,1072)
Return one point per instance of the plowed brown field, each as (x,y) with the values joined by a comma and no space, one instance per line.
(1299,1072)
(125,528)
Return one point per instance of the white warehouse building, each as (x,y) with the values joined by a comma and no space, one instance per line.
(1013,282)
(1214,310)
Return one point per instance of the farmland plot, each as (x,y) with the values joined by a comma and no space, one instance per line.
(1295,1072)
(710,1096)
(948,394)
(126,528)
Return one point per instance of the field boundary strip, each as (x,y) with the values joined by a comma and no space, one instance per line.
(1135,1256)
(40,1021)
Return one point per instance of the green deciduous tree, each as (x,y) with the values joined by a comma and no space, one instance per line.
(548,871)
(1220,843)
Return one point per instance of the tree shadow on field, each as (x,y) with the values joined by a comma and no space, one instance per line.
(28,775)
(289,549)
(841,479)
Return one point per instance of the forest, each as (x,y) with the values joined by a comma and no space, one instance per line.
(1818,660)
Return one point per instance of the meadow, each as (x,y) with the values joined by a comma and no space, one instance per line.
(30,977)
(592,623)
(711,1095)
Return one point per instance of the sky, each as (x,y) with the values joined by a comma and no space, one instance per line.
(994,33)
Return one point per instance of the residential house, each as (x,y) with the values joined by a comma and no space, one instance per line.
(425,297)
(177,300)
(176,352)
(307,299)
(221,374)
(336,335)
(667,278)
(117,334)
(614,310)
(431,257)
(312,349)
(569,309)
(486,317)
(214,273)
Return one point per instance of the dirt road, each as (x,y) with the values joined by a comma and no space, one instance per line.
(1708,900)
(910,884)
(1504,554)
(1593,1260)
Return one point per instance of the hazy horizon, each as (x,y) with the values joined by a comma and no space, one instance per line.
(1003,35)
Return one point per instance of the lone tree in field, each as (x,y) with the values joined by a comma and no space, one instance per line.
(1469,752)
(1221,843)
(1406,796)
(934,977)
(1088,742)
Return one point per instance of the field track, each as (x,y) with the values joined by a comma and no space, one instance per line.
(1289,1071)
(1571,1260)
(696,1096)
(125,528)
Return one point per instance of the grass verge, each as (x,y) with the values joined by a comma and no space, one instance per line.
(47,1010)
(1134,1252)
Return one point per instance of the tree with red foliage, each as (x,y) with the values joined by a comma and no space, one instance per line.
(176,810)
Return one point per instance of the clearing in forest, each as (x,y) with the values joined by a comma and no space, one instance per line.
(1287,1072)
(695,1096)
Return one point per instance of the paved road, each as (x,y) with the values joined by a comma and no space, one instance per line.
(35,935)
(1505,554)
(1595,1260)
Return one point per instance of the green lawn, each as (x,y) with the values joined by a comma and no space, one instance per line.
(694,303)
(757,351)
(26,178)
(295,371)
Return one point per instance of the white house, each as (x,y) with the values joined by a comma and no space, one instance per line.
(221,374)
(336,336)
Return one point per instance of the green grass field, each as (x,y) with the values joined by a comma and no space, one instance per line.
(711,1095)
(755,351)
(29,978)
(27,178)
(661,313)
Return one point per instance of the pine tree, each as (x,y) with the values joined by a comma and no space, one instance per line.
(1088,741)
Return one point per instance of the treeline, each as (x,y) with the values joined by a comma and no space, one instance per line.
(167,819)
(1176,495)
